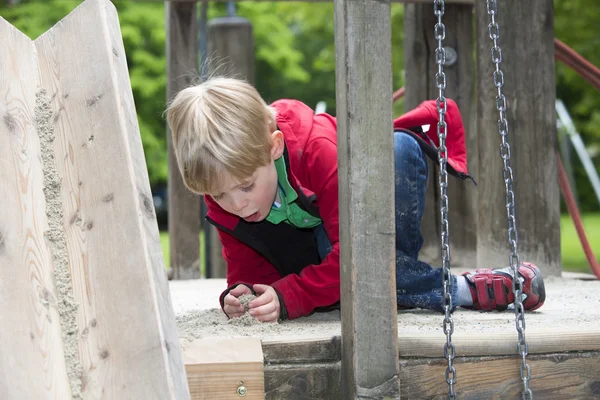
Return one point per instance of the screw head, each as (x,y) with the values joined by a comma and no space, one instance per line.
(242,391)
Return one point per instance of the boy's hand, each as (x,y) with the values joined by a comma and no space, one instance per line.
(265,307)
(231,304)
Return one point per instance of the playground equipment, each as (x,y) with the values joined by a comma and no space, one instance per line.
(85,306)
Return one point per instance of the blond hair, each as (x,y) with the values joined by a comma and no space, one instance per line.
(219,128)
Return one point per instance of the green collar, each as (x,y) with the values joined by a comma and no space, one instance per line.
(288,210)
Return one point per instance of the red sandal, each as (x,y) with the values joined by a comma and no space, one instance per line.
(492,288)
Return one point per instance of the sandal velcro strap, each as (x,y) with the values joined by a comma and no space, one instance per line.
(491,291)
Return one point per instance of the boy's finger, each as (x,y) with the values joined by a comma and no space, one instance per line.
(263,310)
(261,300)
(272,317)
(234,314)
(232,301)
(259,288)
(240,290)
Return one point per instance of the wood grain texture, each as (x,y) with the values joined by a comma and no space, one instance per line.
(32,364)
(470,344)
(184,207)
(530,90)
(216,368)
(366,202)
(230,49)
(302,351)
(303,381)
(420,44)
(556,377)
(128,345)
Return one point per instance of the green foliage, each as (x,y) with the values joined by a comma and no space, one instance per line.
(573,257)
(143,32)
(295,58)
(576,24)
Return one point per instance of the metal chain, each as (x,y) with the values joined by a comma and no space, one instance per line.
(522,347)
(440,81)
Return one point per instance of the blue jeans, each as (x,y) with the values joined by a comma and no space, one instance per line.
(417,283)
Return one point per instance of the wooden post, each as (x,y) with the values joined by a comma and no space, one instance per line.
(85,309)
(366,199)
(230,47)
(419,56)
(184,207)
(529,87)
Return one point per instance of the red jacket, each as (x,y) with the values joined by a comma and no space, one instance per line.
(312,147)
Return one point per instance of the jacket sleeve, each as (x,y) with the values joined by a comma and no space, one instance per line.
(244,265)
(317,285)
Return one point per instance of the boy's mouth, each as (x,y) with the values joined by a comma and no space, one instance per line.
(253,217)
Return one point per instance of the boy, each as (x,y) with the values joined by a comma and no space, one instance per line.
(269,178)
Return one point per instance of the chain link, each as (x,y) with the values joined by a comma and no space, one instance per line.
(522,347)
(440,81)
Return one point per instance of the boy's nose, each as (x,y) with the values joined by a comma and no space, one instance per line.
(238,204)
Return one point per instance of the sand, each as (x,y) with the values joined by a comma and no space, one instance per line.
(67,306)
(571,305)
(213,322)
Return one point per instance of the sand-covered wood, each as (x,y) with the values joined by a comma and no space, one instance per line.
(85,310)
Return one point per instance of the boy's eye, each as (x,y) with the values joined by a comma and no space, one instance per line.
(247,188)
(219,197)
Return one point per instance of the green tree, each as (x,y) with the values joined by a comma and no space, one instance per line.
(576,24)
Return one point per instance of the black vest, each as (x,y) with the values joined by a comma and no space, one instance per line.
(290,249)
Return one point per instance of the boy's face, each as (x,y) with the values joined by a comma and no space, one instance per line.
(252,199)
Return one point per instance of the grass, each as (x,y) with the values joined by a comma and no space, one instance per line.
(164,242)
(573,257)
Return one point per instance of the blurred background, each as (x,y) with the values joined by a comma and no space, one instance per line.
(295,58)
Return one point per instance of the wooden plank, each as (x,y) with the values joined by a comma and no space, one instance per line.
(217,368)
(184,207)
(126,339)
(303,381)
(419,45)
(431,345)
(32,364)
(530,90)
(554,377)
(230,46)
(470,344)
(303,351)
(366,203)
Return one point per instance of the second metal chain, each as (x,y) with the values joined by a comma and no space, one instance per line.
(440,81)
(494,31)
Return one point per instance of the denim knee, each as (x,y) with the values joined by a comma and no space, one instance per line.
(407,149)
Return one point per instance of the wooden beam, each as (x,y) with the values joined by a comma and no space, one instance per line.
(184,207)
(222,369)
(366,201)
(314,372)
(554,377)
(419,45)
(231,47)
(32,365)
(113,295)
(530,90)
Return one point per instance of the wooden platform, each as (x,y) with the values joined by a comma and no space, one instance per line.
(302,357)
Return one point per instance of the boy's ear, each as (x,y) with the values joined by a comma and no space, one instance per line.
(277,144)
